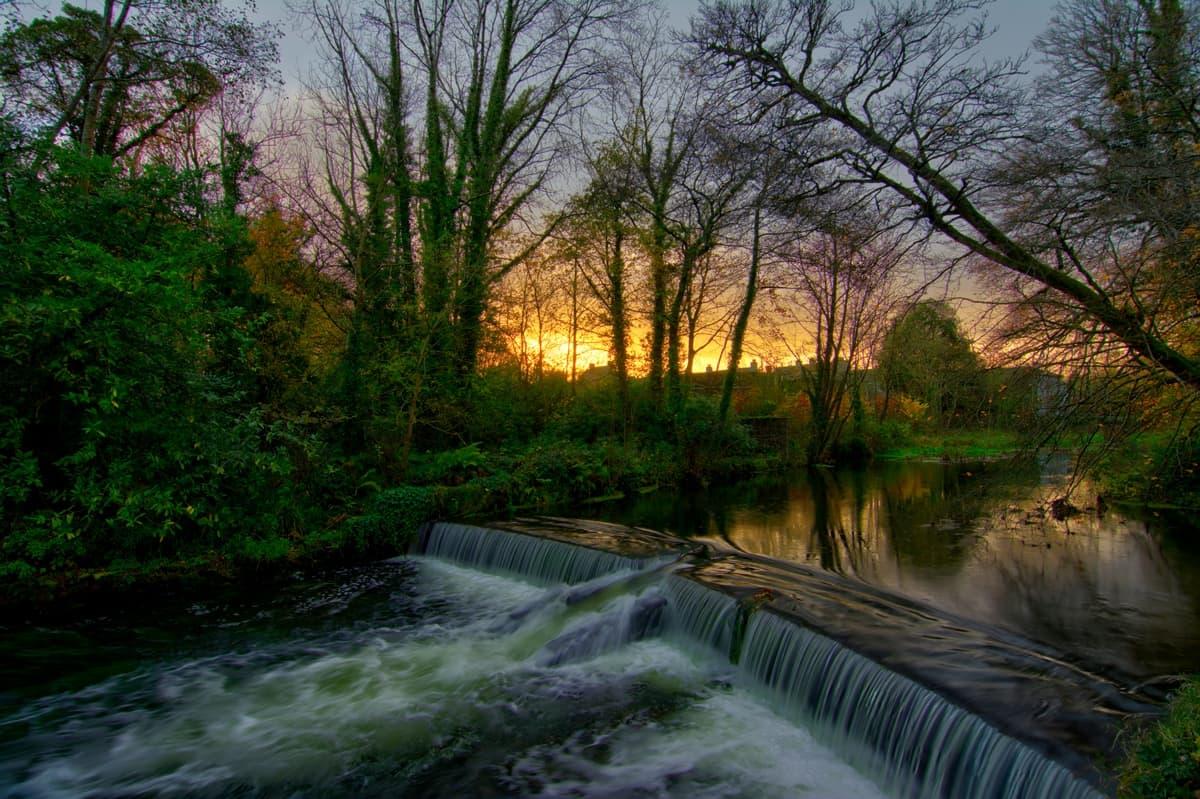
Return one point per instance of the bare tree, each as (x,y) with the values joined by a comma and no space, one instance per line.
(444,120)
(530,301)
(911,111)
(833,291)
(737,333)
(711,304)
(597,240)
(438,124)
(710,200)
(659,124)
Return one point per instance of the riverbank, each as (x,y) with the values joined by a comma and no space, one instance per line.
(956,445)
(1155,469)
(469,482)
(1163,759)
(465,483)
(962,537)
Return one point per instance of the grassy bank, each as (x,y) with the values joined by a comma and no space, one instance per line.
(1153,468)
(954,445)
(1163,760)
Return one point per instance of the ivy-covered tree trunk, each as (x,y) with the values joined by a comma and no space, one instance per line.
(658,313)
(743,319)
(620,332)
(674,322)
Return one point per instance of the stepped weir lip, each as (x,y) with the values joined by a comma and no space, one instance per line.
(629,542)
(1023,689)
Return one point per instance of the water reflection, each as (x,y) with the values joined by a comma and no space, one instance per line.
(1115,591)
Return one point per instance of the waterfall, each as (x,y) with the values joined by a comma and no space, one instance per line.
(702,614)
(916,741)
(631,618)
(541,560)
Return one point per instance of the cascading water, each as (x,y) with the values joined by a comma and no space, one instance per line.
(919,743)
(543,560)
(699,614)
(462,678)
(428,690)
(913,740)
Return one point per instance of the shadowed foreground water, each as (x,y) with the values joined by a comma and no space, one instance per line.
(417,678)
(928,584)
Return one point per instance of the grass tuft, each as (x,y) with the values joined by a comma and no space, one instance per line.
(1163,761)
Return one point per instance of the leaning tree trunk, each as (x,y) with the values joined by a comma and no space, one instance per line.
(743,320)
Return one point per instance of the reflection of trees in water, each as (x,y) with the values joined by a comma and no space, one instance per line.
(1040,588)
(1175,544)
(842,531)
(1093,587)
(930,513)
(964,538)
(714,512)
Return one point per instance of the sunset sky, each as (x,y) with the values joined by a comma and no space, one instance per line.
(1016,21)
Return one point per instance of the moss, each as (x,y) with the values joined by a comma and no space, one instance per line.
(1163,761)
(390,520)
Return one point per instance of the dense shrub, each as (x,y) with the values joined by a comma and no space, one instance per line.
(129,422)
(704,441)
(591,415)
(1154,467)
(390,520)
(1164,760)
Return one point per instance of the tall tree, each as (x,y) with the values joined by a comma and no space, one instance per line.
(710,200)
(599,240)
(914,113)
(657,122)
(737,335)
(113,80)
(440,122)
(834,287)
(926,356)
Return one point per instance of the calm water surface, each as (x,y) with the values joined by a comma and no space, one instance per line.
(1118,590)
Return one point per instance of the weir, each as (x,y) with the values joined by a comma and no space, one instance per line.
(909,736)
(542,560)
(921,744)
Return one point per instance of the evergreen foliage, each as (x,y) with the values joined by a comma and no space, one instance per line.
(926,356)
(132,421)
(195,370)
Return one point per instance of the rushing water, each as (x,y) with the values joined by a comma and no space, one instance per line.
(419,678)
(910,631)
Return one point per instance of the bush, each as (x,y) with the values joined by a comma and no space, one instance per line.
(129,421)
(390,521)
(451,467)
(592,415)
(505,407)
(1163,761)
(891,434)
(1154,467)
(553,471)
(704,441)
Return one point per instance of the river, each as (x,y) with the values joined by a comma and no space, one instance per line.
(463,675)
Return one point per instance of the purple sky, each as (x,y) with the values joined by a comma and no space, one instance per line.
(1017,22)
